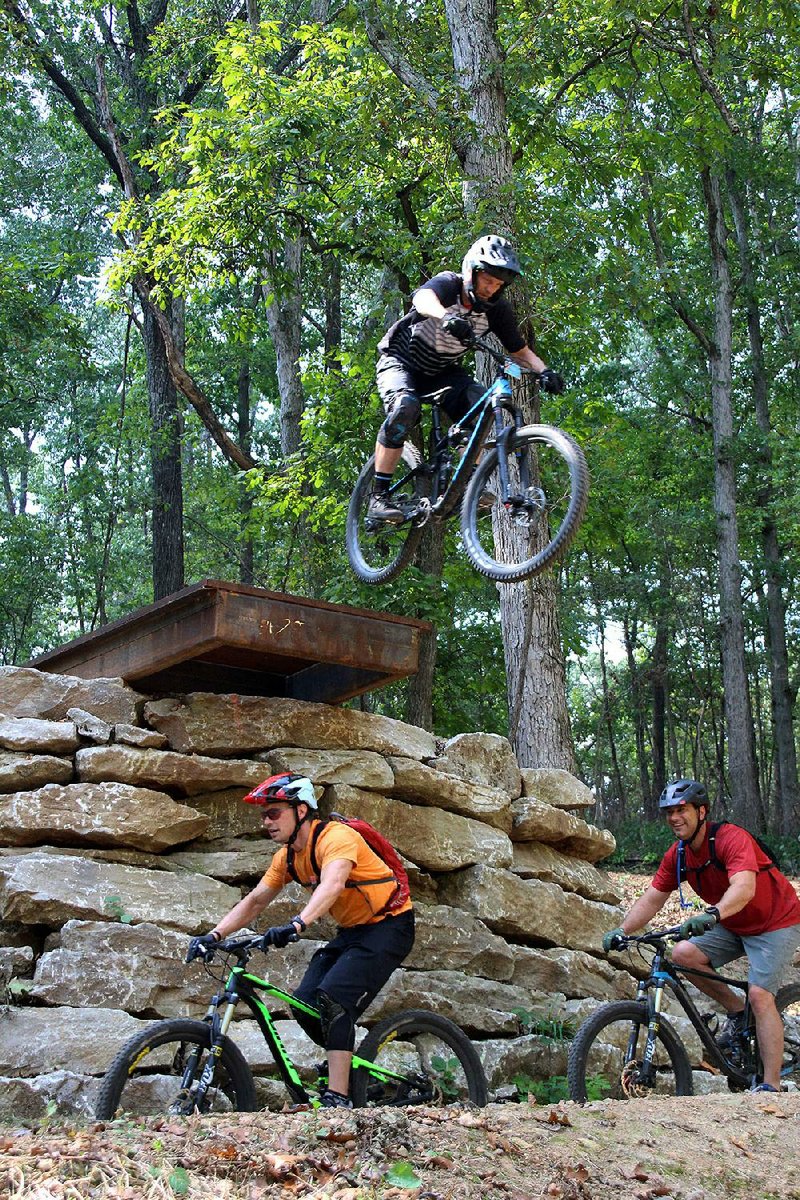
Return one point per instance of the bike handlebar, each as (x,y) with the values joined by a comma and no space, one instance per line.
(673,934)
(239,946)
(481,344)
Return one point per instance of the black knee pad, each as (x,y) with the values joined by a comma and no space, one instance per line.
(402,416)
(338,1026)
(309,1025)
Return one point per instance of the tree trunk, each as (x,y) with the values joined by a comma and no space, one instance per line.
(419,702)
(244,427)
(165,460)
(284,315)
(788,788)
(742,771)
(608,721)
(658,674)
(638,709)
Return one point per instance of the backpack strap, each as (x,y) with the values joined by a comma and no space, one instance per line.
(290,856)
(713,859)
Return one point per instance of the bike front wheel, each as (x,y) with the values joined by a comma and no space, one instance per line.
(159,1072)
(548,487)
(418,1057)
(378,551)
(606,1059)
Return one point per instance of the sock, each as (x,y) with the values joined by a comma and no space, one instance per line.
(382,482)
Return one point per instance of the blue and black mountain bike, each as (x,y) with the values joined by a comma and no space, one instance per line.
(521,489)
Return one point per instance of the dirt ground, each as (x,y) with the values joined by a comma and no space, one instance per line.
(691,1148)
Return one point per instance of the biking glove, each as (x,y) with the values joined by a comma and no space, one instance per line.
(551,381)
(614,940)
(458,327)
(699,923)
(280,936)
(202,947)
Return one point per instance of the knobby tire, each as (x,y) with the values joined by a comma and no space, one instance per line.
(598,1067)
(413,1041)
(557,465)
(380,557)
(140,1080)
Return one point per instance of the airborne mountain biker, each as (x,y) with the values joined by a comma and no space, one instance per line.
(754,911)
(420,352)
(344,976)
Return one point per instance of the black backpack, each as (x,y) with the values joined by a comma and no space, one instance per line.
(713,858)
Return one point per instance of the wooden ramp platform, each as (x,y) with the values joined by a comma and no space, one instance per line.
(226,637)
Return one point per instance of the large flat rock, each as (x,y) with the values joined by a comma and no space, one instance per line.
(50,889)
(100,814)
(185,774)
(203,723)
(431,838)
(21,771)
(421,784)
(26,692)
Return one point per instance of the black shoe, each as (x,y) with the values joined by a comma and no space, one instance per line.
(380,508)
(335,1100)
(732,1030)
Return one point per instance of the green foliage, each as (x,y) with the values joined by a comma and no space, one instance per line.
(548,1027)
(114,909)
(556,1088)
(401,1174)
(640,842)
(445,1070)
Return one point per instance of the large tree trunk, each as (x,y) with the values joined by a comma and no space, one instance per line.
(419,701)
(742,771)
(788,789)
(284,315)
(539,725)
(165,458)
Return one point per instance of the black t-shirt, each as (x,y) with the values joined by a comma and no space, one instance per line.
(422,344)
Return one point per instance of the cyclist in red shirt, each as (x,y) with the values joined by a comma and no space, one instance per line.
(754,911)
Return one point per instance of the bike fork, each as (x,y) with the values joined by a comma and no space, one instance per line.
(654,1003)
(215,1050)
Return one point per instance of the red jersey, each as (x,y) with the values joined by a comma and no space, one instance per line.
(775,904)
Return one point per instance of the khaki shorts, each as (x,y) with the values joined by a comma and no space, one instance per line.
(769,955)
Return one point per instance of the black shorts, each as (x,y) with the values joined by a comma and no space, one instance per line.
(395,379)
(356,964)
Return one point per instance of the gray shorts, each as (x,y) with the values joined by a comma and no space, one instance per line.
(769,955)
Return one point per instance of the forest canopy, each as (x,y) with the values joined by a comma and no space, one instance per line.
(209,213)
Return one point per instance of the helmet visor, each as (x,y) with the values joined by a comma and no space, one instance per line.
(504,274)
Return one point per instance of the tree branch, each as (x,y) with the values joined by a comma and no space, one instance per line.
(383,45)
(704,77)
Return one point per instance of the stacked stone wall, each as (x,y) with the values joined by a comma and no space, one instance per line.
(122,833)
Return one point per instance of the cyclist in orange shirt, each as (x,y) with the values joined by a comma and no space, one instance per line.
(344,976)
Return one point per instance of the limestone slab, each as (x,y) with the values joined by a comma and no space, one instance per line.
(534,860)
(39,737)
(421,784)
(49,889)
(361,768)
(535,821)
(19,772)
(101,814)
(431,838)
(26,692)
(185,774)
(203,723)
(554,786)
(486,759)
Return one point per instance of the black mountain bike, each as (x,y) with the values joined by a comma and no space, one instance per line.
(522,503)
(628,1048)
(182,1066)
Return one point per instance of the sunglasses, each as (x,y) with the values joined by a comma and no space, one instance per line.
(272,814)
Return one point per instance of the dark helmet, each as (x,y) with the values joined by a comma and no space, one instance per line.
(683,791)
(293,789)
(496,255)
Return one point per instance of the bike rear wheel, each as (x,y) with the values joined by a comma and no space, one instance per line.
(606,1057)
(158,1072)
(548,491)
(427,1060)
(378,553)
(788,1005)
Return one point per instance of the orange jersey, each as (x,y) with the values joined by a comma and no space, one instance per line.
(363,900)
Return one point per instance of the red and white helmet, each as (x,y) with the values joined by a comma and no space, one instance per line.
(293,789)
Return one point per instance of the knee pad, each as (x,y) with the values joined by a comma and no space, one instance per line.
(402,416)
(309,1025)
(338,1026)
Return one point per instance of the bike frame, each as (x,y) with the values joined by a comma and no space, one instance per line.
(497,399)
(245,986)
(650,992)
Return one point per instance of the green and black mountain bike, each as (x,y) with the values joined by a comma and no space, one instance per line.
(183,1066)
